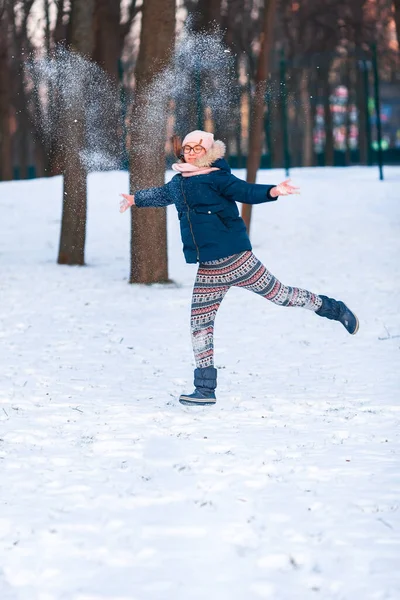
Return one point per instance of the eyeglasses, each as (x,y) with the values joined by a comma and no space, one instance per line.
(196,149)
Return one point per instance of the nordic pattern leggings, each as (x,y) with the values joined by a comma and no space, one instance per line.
(213,280)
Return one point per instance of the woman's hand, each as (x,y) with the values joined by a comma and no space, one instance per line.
(126,203)
(284,189)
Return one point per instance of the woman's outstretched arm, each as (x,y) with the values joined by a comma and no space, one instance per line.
(156,197)
(238,190)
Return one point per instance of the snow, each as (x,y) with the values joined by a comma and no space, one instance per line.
(289,488)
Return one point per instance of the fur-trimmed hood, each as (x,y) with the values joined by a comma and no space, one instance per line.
(216,151)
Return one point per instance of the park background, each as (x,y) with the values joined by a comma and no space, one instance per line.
(283,83)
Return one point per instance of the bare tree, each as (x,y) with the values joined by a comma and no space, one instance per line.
(149,263)
(20,48)
(257,116)
(205,14)
(110,34)
(5,99)
(299,33)
(59,36)
(109,39)
(356,35)
(73,226)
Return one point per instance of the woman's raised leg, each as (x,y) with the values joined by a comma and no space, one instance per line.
(254,276)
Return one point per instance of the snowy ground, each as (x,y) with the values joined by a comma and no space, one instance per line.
(289,488)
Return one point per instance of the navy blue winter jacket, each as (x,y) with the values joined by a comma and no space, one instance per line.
(211,226)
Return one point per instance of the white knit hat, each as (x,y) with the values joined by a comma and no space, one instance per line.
(203,138)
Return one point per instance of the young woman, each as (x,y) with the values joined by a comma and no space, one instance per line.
(214,235)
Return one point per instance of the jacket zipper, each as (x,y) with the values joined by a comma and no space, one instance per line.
(190,223)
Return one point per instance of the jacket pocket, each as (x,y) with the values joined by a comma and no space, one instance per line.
(208,210)
(215,212)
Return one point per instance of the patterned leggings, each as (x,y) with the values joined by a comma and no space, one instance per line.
(213,280)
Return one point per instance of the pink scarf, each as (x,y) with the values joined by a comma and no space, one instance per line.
(187,170)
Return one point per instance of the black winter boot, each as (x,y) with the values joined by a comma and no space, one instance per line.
(205,382)
(338,311)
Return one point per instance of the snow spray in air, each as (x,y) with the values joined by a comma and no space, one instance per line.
(197,87)
(197,84)
(68,84)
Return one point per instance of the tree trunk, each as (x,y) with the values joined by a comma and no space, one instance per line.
(348,84)
(257,116)
(149,260)
(55,158)
(307,120)
(208,12)
(6,169)
(59,34)
(295,117)
(82,38)
(204,15)
(73,225)
(328,121)
(20,48)
(107,52)
(357,9)
(361,116)
(275,119)
(396,4)
(21,139)
(107,38)
(313,88)
(238,131)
